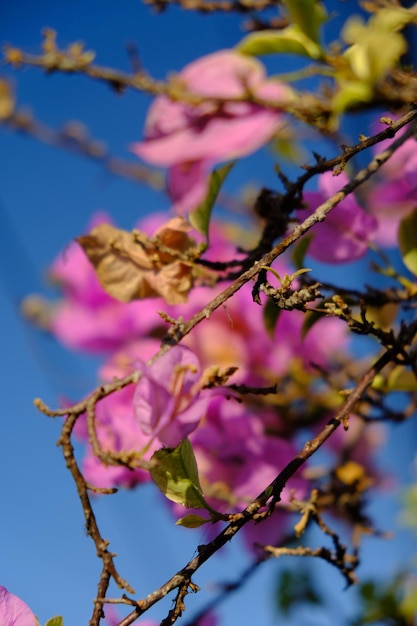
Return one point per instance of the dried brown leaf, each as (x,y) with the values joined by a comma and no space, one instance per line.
(128,270)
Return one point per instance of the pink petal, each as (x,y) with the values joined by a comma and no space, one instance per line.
(13,611)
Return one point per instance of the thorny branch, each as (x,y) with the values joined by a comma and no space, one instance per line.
(269,496)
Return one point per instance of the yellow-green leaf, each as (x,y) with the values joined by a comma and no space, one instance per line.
(402,379)
(200,217)
(309,15)
(290,40)
(192,521)
(175,473)
(407,239)
(55,621)
(350,93)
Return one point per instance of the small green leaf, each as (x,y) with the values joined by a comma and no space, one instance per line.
(200,217)
(402,379)
(350,93)
(296,587)
(407,239)
(192,521)
(300,250)
(309,15)
(55,621)
(175,473)
(270,315)
(290,40)
(379,383)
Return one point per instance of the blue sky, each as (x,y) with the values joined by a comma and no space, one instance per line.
(46,198)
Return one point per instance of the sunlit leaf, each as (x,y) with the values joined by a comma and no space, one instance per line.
(351,92)
(401,379)
(192,521)
(175,473)
(55,621)
(309,15)
(290,40)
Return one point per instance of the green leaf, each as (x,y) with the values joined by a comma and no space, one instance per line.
(55,621)
(175,473)
(407,239)
(200,217)
(300,250)
(309,15)
(401,379)
(270,315)
(289,40)
(296,587)
(192,521)
(350,93)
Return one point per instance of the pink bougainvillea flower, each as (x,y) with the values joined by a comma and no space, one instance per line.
(191,138)
(347,230)
(13,611)
(168,400)
(187,184)
(234,452)
(88,318)
(117,428)
(392,194)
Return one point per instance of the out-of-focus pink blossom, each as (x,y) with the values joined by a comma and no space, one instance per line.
(392,193)
(234,452)
(168,400)
(116,425)
(88,318)
(191,138)
(13,611)
(347,230)
(320,345)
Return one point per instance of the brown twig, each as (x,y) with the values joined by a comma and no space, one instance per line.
(74,138)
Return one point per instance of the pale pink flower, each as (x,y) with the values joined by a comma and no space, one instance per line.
(168,401)
(13,611)
(344,235)
(116,425)
(191,138)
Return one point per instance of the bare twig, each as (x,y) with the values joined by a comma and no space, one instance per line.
(74,138)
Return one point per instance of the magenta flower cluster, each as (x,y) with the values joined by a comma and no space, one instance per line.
(240,446)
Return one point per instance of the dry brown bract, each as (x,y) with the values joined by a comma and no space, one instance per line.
(131,266)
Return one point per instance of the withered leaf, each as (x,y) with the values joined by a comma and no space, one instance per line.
(129,271)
